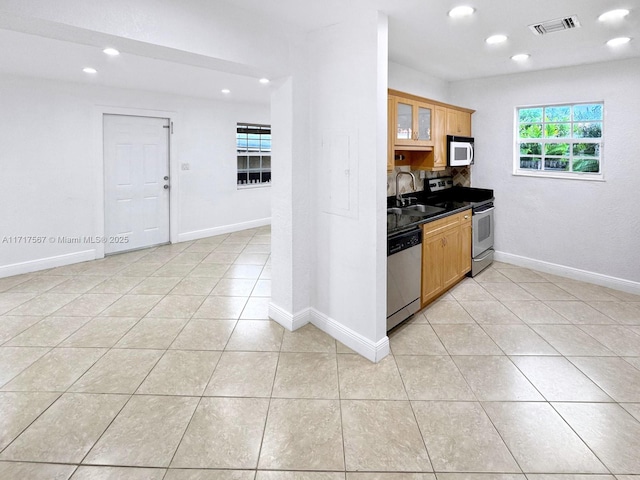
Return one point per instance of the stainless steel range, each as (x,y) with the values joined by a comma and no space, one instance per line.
(482,232)
(482,221)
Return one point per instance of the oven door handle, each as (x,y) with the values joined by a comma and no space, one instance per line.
(482,212)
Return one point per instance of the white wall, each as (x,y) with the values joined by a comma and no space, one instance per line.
(406,79)
(292,219)
(49,166)
(329,264)
(349,99)
(585,225)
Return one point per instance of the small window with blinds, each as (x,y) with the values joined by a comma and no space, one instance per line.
(253,144)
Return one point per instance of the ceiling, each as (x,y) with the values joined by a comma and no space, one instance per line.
(455,49)
(421,36)
(36,56)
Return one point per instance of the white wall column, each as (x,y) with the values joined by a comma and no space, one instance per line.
(291,218)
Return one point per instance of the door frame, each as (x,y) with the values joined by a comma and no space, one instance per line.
(99,112)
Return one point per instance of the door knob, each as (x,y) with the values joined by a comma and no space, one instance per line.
(166,178)
(166,187)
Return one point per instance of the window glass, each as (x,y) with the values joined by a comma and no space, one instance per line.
(253,145)
(565,139)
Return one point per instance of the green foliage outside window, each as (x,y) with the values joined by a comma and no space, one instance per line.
(565,138)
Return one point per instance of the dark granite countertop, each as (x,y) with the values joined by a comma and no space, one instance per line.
(453,200)
(397,223)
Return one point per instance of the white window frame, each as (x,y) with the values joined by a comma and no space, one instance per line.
(253,153)
(590,176)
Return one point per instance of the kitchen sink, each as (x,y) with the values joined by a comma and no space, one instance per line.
(416,210)
(422,210)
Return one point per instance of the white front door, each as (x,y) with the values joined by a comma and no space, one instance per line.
(136,173)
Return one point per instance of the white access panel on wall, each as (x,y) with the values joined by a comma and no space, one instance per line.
(136,182)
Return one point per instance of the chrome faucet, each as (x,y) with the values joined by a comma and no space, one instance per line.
(400,202)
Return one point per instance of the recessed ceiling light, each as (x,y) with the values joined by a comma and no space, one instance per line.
(612,15)
(616,42)
(225,91)
(89,70)
(520,57)
(264,81)
(461,11)
(493,39)
(111,51)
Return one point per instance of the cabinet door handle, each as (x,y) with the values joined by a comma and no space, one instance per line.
(466,217)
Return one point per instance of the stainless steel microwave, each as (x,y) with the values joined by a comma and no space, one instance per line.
(459,151)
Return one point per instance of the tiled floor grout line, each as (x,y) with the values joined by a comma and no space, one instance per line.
(548,402)
(415,418)
(266,417)
(579,436)
(256,280)
(479,403)
(530,383)
(32,422)
(128,400)
(184,432)
(344,450)
(91,366)
(84,457)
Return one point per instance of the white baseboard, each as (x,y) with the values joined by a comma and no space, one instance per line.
(286,319)
(628,286)
(234,227)
(356,342)
(48,262)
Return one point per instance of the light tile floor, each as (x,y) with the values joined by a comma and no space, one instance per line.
(162,364)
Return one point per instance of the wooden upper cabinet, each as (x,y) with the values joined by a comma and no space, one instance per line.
(440,134)
(412,123)
(458,122)
(418,129)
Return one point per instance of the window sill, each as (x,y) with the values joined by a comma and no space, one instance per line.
(571,176)
(249,186)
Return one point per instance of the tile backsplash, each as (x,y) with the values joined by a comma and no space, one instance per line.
(461,176)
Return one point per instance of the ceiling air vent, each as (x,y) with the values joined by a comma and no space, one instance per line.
(550,26)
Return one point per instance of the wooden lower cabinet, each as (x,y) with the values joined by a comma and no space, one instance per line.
(432,272)
(446,254)
(451,257)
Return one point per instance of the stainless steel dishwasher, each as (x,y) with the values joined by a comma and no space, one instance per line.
(404,266)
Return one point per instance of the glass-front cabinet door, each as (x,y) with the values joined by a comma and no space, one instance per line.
(424,123)
(405,131)
(413,123)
